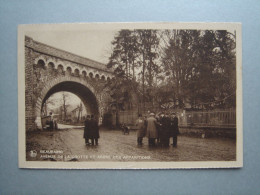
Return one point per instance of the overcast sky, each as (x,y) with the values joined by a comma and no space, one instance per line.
(93,44)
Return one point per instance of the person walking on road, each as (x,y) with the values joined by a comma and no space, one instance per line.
(86,130)
(94,131)
(141,129)
(174,130)
(151,132)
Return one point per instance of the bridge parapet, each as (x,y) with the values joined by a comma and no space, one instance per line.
(63,59)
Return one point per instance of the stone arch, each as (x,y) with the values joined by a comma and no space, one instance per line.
(91,75)
(103,78)
(66,66)
(50,66)
(60,68)
(76,72)
(40,58)
(97,76)
(84,73)
(68,70)
(75,85)
(51,61)
(41,64)
(59,62)
(83,70)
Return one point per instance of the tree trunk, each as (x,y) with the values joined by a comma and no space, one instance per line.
(143,81)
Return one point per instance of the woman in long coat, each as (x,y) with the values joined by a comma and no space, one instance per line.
(151,132)
(141,129)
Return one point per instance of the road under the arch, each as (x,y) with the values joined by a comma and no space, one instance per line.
(87,97)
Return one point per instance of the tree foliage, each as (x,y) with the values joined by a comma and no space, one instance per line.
(176,68)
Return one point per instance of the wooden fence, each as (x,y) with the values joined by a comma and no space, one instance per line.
(214,119)
(218,118)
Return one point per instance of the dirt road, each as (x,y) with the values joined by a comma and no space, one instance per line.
(68,144)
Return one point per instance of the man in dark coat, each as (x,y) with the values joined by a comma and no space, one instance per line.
(94,130)
(165,130)
(159,128)
(174,130)
(86,130)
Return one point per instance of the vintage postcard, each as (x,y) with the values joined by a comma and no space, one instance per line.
(130,95)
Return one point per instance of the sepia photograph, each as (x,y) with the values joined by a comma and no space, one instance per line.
(130,95)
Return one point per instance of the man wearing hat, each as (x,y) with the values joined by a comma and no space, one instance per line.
(174,130)
(165,130)
(151,132)
(86,130)
(93,130)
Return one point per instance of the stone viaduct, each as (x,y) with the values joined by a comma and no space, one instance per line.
(49,70)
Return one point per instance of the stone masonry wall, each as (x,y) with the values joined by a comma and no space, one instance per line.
(29,98)
(42,65)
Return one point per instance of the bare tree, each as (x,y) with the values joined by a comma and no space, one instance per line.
(46,106)
(65,104)
(80,111)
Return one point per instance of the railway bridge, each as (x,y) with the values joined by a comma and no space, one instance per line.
(49,70)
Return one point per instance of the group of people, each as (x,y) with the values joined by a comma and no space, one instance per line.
(158,129)
(91,130)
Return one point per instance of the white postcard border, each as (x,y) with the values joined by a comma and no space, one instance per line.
(127,165)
